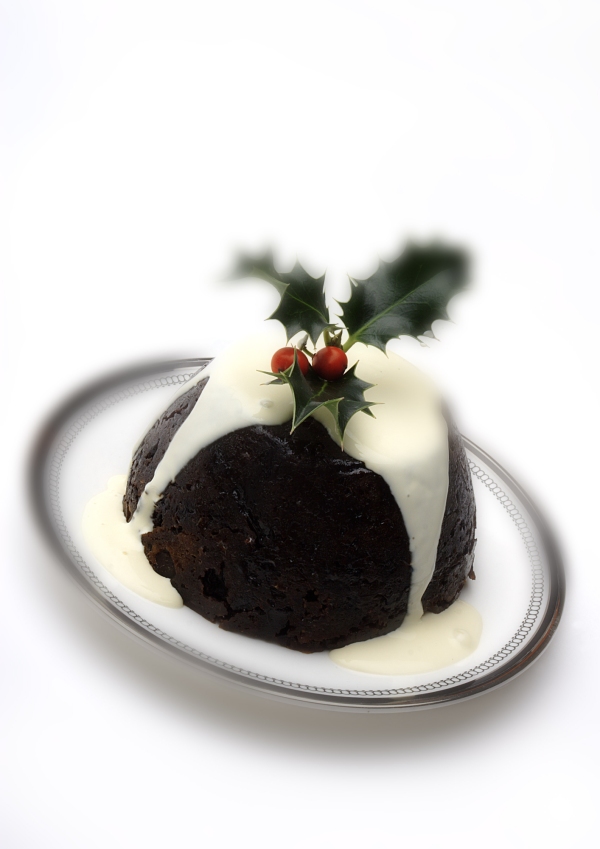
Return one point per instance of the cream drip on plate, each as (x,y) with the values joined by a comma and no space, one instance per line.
(419,645)
(406,443)
(114,543)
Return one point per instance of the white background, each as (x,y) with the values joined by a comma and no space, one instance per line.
(140,142)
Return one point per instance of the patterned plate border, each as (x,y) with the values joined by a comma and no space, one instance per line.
(59,434)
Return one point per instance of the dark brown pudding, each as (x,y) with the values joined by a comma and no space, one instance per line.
(288,538)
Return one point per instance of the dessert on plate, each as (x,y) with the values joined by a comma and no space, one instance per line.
(314,494)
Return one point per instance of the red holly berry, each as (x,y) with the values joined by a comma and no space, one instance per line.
(330,363)
(284,357)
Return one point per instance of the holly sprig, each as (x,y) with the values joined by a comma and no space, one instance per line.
(401,298)
(342,397)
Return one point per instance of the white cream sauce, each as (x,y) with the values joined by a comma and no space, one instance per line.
(406,443)
(235,397)
(119,549)
(419,645)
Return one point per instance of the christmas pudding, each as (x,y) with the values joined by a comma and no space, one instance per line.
(314,498)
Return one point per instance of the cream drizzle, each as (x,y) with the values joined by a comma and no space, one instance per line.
(406,443)
(114,543)
(419,645)
(234,397)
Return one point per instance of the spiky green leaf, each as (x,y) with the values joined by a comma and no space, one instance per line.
(404,297)
(302,305)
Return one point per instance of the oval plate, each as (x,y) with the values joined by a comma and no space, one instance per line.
(519,589)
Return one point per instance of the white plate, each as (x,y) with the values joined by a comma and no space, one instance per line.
(519,589)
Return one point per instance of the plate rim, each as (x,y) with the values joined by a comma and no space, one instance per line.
(520,661)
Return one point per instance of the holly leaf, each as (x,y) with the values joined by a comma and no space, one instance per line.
(404,297)
(302,305)
(343,397)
